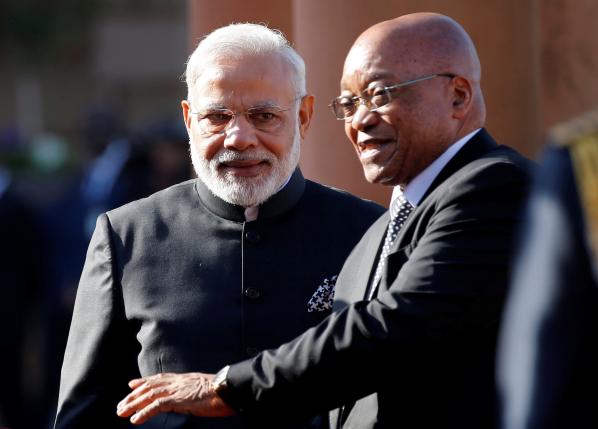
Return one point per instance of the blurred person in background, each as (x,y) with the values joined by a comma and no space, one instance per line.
(167,145)
(19,286)
(549,342)
(215,269)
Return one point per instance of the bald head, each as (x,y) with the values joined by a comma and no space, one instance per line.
(421,44)
(418,81)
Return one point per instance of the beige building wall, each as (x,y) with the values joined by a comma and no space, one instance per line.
(539,59)
(569,59)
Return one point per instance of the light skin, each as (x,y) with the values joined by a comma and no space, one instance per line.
(393,144)
(239,84)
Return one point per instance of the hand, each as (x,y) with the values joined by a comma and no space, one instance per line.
(190,393)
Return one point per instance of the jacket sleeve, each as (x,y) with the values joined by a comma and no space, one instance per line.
(100,355)
(446,292)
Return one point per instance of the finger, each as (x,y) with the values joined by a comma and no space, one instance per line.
(125,409)
(160,378)
(139,391)
(136,382)
(143,385)
(156,407)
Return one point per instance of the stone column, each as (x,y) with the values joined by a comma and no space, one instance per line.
(569,47)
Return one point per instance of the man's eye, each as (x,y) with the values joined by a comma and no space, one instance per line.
(378,96)
(217,117)
(263,116)
(346,103)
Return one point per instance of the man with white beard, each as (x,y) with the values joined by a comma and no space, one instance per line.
(213,270)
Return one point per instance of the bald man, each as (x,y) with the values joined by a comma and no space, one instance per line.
(412,338)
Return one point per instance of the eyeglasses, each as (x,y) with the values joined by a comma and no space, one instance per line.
(268,119)
(344,107)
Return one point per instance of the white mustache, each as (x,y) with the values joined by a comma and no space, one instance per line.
(226,155)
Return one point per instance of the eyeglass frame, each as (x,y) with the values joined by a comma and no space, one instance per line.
(245,113)
(359,100)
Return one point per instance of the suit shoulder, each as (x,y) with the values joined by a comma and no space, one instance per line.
(505,155)
(328,196)
(503,163)
(501,171)
(167,199)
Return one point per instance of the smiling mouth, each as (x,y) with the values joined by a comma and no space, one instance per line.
(370,148)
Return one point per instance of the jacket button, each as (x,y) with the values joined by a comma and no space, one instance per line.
(252,293)
(252,351)
(252,236)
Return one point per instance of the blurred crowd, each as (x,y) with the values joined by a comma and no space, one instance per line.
(51,191)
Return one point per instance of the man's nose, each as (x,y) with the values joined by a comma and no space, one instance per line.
(240,134)
(363,118)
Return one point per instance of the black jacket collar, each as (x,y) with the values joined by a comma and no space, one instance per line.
(279,203)
(479,145)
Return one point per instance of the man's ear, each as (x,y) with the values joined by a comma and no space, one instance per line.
(462,92)
(187,115)
(306,110)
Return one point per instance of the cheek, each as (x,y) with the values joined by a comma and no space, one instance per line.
(278,145)
(207,148)
(351,134)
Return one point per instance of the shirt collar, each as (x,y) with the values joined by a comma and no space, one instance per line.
(416,189)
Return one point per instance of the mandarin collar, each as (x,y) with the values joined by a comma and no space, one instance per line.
(277,204)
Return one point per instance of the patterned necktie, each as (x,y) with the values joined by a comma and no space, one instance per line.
(399,212)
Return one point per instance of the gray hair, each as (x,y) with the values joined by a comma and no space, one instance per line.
(237,40)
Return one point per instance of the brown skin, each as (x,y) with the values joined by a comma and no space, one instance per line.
(394,144)
(397,142)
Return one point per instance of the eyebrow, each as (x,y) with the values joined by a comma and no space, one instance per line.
(258,105)
(368,79)
(264,104)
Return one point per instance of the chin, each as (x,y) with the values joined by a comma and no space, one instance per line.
(374,174)
(380,177)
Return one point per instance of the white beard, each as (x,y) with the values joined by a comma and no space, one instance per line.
(246,191)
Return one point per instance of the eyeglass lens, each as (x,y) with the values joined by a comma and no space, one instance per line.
(263,119)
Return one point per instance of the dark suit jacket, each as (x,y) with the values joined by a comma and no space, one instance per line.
(178,282)
(425,344)
(552,310)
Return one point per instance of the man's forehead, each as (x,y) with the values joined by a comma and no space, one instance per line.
(366,66)
(232,102)
(227,85)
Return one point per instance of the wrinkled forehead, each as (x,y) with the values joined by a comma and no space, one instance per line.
(244,82)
